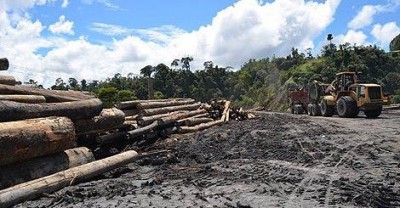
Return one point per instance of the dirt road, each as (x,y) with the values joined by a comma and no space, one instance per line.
(276,160)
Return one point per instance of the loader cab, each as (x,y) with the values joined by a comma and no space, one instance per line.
(344,80)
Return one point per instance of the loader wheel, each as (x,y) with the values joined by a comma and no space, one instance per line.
(373,113)
(316,110)
(346,107)
(327,110)
(309,110)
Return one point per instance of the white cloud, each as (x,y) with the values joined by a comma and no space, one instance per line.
(62,26)
(247,29)
(385,33)
(106,3)
(65,4)
(365,16)
(352,37)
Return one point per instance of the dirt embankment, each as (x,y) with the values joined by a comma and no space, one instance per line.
(276,160)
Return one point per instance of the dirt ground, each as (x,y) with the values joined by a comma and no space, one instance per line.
(277,160)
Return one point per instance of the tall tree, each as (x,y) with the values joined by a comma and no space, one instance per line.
(395,43)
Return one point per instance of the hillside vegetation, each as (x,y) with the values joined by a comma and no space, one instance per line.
(260,82)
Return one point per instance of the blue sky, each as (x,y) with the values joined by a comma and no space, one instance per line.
(94,39)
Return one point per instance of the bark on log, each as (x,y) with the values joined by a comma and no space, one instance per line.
(43,166)
(200,115)
(154,111)
(108,119)
(51,183)
(146,120)
(225,114)
(110,138)
(186,129)
(176,117)
(147,105)
(131,118)
(11,111)
(23,140)
(4,64)
(130,112)
(24,98)
(197,121)
(7,80)
(143,130)
(50,95)
(133,103)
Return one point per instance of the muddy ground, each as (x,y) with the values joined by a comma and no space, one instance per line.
(277,160)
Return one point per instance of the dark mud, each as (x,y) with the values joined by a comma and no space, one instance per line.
(277,160)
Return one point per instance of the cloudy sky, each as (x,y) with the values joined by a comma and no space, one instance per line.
(94,39)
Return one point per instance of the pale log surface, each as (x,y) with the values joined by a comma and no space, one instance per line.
(24,98)
(7,80)
(11,111)
(23,140)
(225,114)
(147,105)
(51,183)
(108,119)
(134,103)
(146,120)
(50,95)
(43,166)
(196,121)
(154,111)
(186,129)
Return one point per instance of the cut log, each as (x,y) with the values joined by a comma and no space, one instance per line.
(201,115)
(11,111)
(196,121)
(7,80)
(154,111)
(110,138)
(24,98)
(147,105)
(50,95)
(176,117)
(108,119)
(143,130)
(186,129)
(23,140)
(226,110)
(130,112)
(4,64)
(133,104)
(143,121)
(43,166)
(131,118)
(51,183)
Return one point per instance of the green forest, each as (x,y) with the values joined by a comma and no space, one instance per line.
(261,82)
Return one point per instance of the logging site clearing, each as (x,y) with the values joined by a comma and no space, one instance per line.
(275,160)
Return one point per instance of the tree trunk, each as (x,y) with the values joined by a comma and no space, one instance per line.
(186,129)
(43,166)
(110,138)
(196,121)
(22,140)
(11,111)
(225,114)
(176,117)
(50,95)
(108,119)
(143,121)
(51,183)
(133,103)
(130,112)
(24,98)
(143,130)
(7,80)
(154,111)
(147,105)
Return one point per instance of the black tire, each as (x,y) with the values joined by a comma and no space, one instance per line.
(373,113)
(316,110)
(292,109)
(346,107)
(309,110)
(327,110)
(300,109)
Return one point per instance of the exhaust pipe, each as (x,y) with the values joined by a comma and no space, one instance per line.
(4,64)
